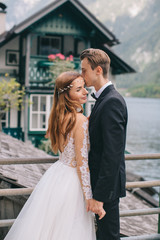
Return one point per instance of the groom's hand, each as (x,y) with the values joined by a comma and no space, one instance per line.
(96,207)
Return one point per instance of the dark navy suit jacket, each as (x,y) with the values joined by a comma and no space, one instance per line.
(107,131)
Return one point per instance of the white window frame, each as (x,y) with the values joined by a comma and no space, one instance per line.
(49,99)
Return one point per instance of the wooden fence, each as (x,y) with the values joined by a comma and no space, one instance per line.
(129,185)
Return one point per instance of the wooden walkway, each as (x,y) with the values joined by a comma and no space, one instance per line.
(29,175)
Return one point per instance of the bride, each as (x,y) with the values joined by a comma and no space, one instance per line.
(58,207)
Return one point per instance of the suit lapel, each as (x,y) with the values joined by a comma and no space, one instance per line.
(101,97)
(94,108)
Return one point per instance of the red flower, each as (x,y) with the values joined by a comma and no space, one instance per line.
(61,56)
(51,56)
(71,57)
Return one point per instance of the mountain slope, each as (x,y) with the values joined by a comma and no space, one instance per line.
(140,44)
(136,25)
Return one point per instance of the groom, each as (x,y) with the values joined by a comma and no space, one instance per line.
(107,130)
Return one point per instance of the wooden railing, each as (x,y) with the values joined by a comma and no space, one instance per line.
(129,185)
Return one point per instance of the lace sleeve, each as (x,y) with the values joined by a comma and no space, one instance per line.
(81,148)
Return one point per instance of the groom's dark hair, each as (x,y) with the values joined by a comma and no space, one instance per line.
(97,57)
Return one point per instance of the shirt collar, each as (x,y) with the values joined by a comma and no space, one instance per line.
(98,93)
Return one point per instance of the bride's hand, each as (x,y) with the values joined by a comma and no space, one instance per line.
(101,214)
(96,207)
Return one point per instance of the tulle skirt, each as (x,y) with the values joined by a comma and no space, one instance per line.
(55,210)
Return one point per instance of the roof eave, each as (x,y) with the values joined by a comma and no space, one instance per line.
(35,17)
(96,22)
(40,14)
(7,36)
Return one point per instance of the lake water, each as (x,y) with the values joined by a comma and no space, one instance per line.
(143,135)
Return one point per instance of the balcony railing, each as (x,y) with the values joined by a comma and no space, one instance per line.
(129,185)
(39,73)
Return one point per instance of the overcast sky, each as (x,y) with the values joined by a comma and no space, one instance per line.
(18,10)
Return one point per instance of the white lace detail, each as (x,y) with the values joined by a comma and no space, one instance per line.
(68,154)
(79,159)
(85,174)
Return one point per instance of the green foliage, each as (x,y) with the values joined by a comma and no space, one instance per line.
(10,94)
(150,90)
(46,146)
(60,64)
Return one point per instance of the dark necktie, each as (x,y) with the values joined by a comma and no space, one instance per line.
(93,95)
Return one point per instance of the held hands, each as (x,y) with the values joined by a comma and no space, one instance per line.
(96,207)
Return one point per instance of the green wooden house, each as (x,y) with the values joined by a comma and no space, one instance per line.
(64,26)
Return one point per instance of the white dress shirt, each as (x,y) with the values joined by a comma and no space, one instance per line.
(98,93)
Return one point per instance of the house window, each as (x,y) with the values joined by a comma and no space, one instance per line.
(49,45)
(4,119)
(39,112)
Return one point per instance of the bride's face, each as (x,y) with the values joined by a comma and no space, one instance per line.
(78,91)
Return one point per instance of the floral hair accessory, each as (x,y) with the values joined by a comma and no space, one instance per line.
(61,90)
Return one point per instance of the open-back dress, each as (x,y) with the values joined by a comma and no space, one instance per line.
(56,209)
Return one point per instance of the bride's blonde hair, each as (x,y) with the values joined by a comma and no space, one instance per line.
(63,109)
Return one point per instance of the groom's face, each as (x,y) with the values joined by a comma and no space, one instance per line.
(88,73)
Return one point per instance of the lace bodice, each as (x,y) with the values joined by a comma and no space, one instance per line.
(75,155)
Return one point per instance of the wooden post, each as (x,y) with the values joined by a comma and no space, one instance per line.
(9,117)
(159,216)
(26,119)
(19,113)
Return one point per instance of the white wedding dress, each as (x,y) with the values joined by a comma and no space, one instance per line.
(56,208)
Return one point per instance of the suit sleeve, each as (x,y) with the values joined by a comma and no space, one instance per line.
(113,134)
